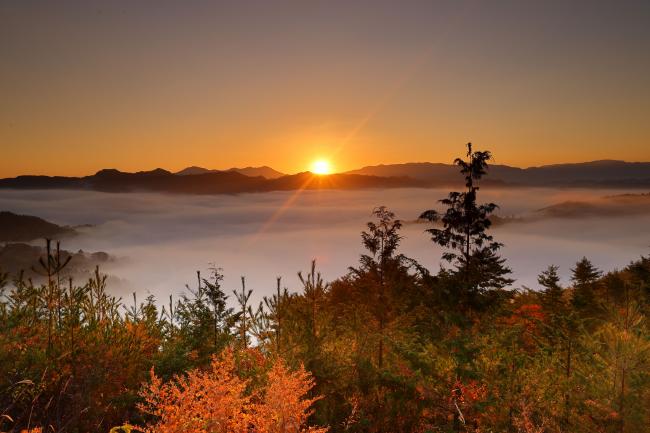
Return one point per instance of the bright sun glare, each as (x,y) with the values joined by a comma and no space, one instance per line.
(321,166)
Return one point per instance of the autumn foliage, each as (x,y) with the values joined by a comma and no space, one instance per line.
(218,400)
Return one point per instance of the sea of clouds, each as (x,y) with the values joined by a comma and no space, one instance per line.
(159,241)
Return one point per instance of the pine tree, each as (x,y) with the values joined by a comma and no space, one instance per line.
(382,282)
(552,294)
(244,316)
(204,322)
(563,326)
(584,277)
(275,315)
(464,235)
(314,292)
(222,315)
(381,240)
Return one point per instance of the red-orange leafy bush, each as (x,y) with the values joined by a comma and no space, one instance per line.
(217,400)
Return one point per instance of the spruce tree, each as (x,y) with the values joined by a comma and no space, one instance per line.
(469,247)
(552,294)
(379,269)
(584,278)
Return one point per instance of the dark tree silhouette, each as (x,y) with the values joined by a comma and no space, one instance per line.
(245,315)
(222,315)
(274,314)
(202,321)
(382,237)
(552,294)
(464,234)
(549,279)
(381,240)
(584,277)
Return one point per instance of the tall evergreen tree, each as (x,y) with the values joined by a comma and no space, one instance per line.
(381,271)
(222,315)
(245,315)
(552,294)
(464,235)
(274,315)
(584,278)
(315,293)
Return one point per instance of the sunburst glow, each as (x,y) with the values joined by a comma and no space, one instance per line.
(321,166)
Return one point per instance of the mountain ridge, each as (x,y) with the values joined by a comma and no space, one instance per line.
(591,173)
(198,180)
(264,171)
(217,182)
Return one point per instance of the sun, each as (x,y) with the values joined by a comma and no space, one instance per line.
(321,166)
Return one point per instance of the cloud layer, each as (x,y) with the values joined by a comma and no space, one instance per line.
(161,240)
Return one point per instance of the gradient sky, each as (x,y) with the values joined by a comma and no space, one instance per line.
(137,85)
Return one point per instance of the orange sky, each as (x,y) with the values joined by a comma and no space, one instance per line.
(87,86)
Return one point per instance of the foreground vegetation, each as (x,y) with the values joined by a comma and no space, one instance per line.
(388,347)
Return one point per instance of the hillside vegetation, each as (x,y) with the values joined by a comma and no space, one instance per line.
(388,347)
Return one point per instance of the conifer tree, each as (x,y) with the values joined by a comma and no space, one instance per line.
(275,316)
(380,271)
(222,315)
(314,292)
(563,327)
(552,294)
(244,316)
(464,235)
(204,322)
(584,278)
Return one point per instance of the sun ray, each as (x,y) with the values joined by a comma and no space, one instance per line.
(281,210)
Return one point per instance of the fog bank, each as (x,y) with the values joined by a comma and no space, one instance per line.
(161,240)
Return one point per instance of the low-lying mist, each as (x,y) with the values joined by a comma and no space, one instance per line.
(159,241)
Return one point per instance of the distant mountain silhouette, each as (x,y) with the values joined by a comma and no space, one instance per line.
(605,173)
(210,182)
(263,171)
(24,228)
(197,180)
(190,171)
(165,181)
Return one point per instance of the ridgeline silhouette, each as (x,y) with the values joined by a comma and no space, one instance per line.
(197,180)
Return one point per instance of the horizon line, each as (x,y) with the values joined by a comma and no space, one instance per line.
(606,160)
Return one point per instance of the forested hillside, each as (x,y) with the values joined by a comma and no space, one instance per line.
(391,346)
